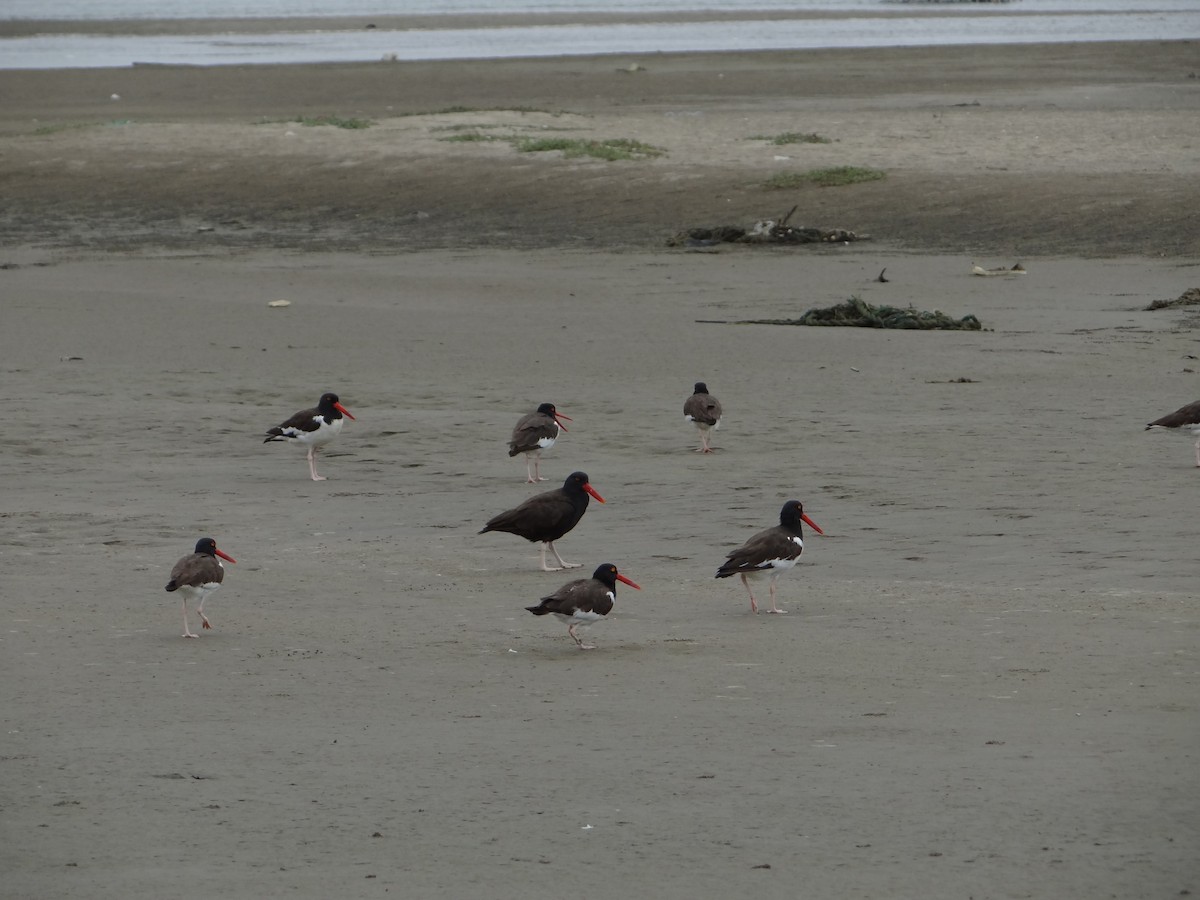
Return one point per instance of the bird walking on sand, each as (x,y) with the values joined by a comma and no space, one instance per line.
(196,576)
(703,410)
(314,428)
(771,552)
(584,602)
(534,433)
(548,516)
(1185,420)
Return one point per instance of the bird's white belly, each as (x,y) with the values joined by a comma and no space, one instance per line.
(774,567)
(1188,431)
(197,592)
(781,564)
(326,432)
(580,618)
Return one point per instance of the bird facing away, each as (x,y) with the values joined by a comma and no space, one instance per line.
(312,427)
(534,433)
(548,516)
(703,410)
(196,576)
(771,552)
(1185,421)
(584,602)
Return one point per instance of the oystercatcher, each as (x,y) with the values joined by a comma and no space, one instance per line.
(196,576)
(1185,420)
(703,410)
(313,427)
(534,433)
(584,602)
(771,552)
(547,517)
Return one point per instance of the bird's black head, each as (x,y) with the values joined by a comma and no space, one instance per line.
(330,407)
(207,546)
(606,573)
(792,515)
(577,485)
(547,409)
(608,576)
(700,388)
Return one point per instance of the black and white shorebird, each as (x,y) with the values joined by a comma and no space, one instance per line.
(703,410)
(196,576)
(314,428)
(1185,421)
(535,432)
(584,602)
(548,516)
(771,552)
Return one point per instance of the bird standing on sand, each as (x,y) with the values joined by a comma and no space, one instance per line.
(547,517)
(771,552)
(703,410)
(1185,420)
(313,427)
(534,433)
(584,602)
(196,576)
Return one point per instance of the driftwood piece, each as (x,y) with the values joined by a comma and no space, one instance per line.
(856,312)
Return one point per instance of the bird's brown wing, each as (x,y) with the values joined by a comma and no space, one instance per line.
(702,408)
(1185,415)
(582,595)
(305,420)
(531,429)
(756,553)
(196,569)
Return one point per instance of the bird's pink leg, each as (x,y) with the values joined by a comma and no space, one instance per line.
(753,602)
(774,608)
(187,632)
(562,562)
(578,640)
(1198,453)
(533,463)
(546,568)
(203,617)
(312,464)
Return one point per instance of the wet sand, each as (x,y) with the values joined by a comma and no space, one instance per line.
(985,685)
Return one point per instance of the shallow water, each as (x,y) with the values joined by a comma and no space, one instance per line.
(222,9)
(862,23)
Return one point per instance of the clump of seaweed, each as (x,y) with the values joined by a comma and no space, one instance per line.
(1190,297)
(857,313)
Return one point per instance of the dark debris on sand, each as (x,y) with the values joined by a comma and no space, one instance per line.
(766,231)
(1190,297)
(857,313)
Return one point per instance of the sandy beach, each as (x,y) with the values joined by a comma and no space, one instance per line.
(986,683)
